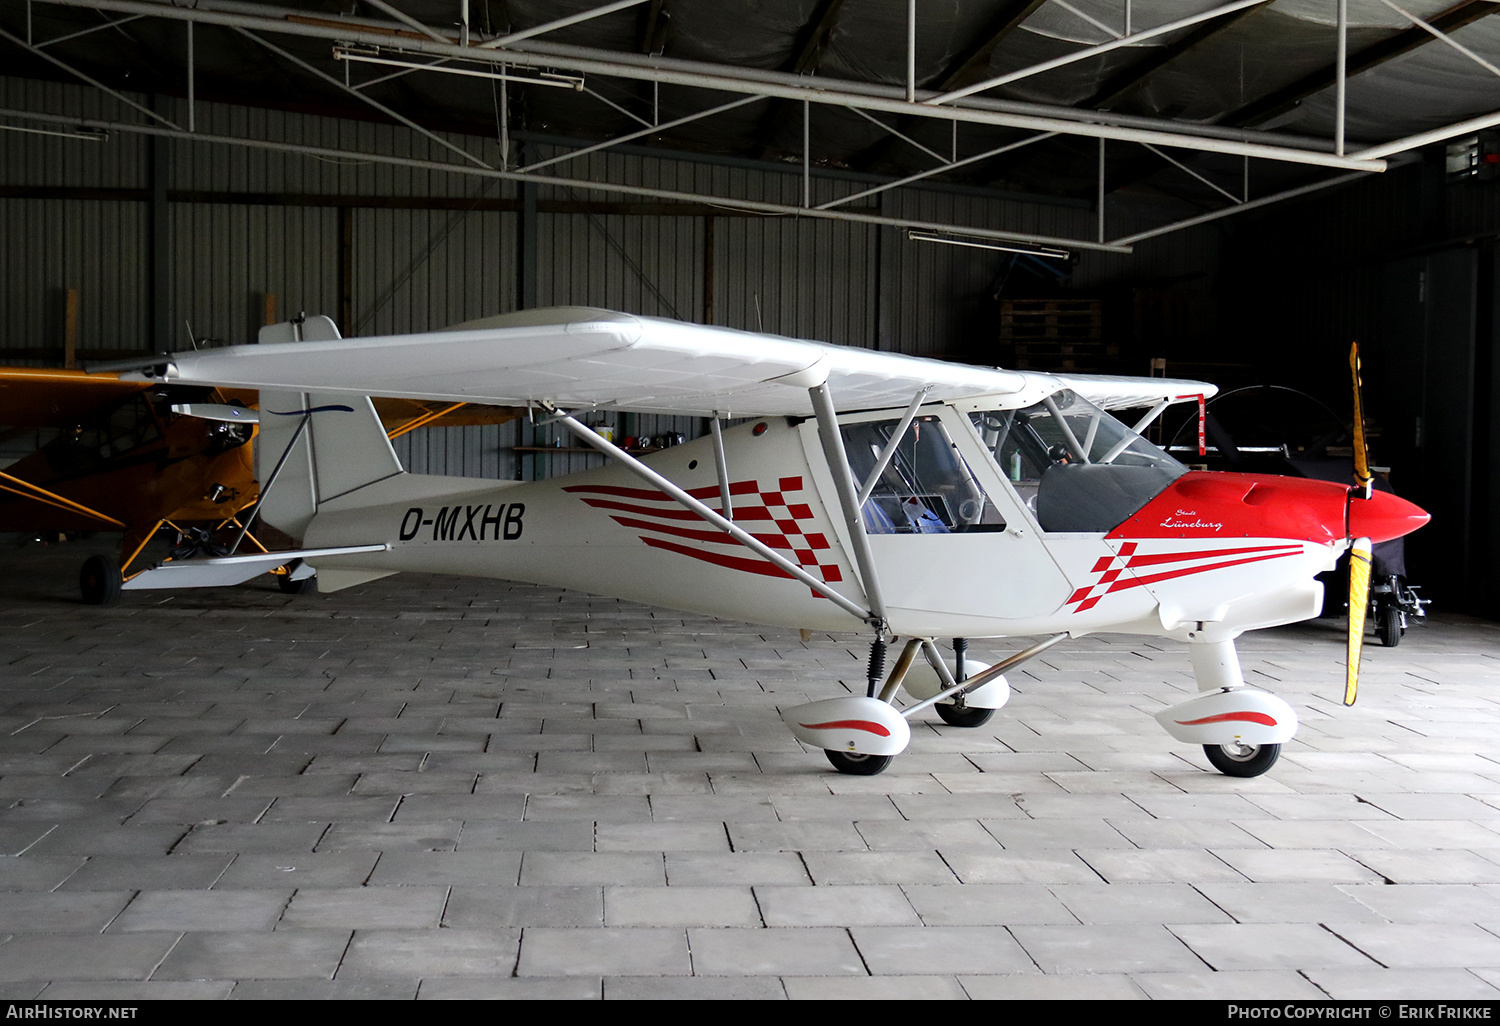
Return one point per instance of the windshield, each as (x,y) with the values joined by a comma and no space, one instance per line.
(1075,466)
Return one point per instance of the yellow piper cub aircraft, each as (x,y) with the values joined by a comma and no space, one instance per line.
(864,490)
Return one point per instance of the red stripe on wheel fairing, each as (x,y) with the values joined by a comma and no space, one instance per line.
(865,725)
(1242,717)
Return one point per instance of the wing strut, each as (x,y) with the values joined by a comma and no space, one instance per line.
(884,459)
(721,467)
(843,480)
(770,555)
(39,494)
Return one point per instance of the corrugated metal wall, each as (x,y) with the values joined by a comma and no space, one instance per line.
(389,249)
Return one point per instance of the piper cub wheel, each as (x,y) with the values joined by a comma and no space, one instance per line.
(1242,760)
(856,764)
(306,586)
(100,581)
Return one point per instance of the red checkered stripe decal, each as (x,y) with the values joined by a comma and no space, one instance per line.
(1112,576)
(774,518)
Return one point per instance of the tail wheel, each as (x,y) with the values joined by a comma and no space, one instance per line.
(306,586)
(856,764)
(99,581)
(1242,760)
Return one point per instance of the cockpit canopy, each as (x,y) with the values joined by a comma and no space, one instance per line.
(1074,465)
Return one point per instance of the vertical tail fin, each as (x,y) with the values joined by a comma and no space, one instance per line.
(342,447)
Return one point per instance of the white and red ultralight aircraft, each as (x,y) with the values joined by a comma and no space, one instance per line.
(912,498)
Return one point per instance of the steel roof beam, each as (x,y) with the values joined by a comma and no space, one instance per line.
(732,202)
(324,76)
(1124,83)
(978,58)
(1128,81)
(1284,99)
(39,52)
(510,39)
(809,57)
(1239,208)
(918,176)
(651,130)
(1094,51)
(408,20)
(966,69)
(869,96)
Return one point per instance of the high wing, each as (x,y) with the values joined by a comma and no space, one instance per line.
(1117,392)
(580,358)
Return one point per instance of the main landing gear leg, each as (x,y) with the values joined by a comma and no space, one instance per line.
(959,713)
(1240,728)
(861,733)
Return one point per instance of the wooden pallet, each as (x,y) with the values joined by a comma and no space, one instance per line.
(1038,320)
(1054,350)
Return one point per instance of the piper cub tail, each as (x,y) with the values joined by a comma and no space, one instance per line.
(311,447)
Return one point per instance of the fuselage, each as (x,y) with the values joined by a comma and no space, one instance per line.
(976,528)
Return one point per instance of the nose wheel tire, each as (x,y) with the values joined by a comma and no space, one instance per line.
(856,764)
(1242,760)
(968,716)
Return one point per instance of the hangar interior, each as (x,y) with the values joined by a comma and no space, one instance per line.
(1226,191)
(187,171)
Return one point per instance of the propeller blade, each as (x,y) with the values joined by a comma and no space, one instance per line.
(1361,452)
(1359,604)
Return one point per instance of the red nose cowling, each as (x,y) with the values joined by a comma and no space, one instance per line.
(1384,516)
(1208,504)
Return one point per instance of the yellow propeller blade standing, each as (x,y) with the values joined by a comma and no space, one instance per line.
(1359,602)
(1362,473)
(1359,548)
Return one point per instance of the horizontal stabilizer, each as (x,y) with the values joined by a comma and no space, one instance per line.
(226,570)
(217,411)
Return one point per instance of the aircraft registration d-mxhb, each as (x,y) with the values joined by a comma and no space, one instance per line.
(858,490)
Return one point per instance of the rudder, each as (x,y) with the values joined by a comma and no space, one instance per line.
(342,448)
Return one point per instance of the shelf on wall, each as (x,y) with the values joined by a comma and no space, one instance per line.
(571,448)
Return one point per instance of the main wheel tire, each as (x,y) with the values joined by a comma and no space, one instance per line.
(99,581)
(1242,760)
(968,716)
(856,764)
(1388,626)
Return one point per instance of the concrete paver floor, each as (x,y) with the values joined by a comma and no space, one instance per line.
(438,788)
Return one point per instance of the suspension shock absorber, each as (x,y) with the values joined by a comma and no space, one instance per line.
(875,672)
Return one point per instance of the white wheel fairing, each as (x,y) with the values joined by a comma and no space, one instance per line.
(922,682)
(1235,717)
(853,725)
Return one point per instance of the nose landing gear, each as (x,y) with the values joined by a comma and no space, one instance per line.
(1242,760)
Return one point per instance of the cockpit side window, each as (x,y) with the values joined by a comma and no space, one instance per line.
(1075,466)
(925,486)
